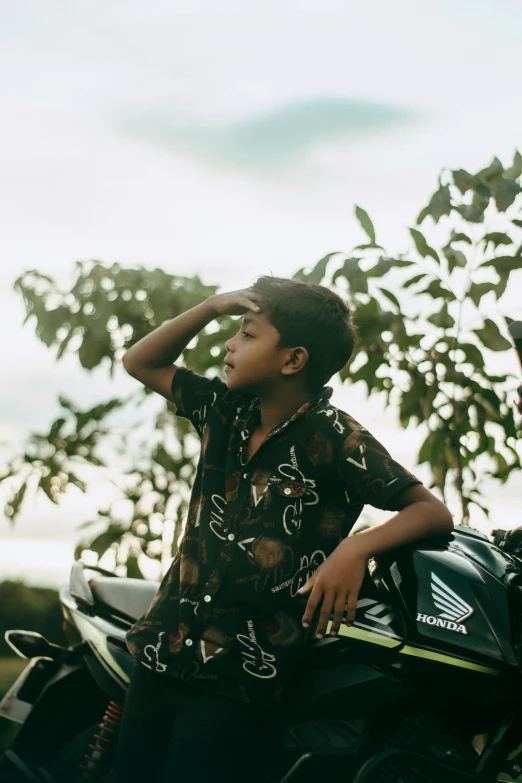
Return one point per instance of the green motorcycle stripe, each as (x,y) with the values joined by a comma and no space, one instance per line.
(99,641)
(418,652)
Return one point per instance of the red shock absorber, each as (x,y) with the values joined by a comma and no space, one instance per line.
(103,744)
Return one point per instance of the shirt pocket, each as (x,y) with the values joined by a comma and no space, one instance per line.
(291,499)
(287,488)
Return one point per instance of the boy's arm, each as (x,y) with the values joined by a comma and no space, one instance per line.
(420,514)
(337,581)
(335,585)
(150,360)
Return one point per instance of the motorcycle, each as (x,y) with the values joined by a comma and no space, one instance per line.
(424,687)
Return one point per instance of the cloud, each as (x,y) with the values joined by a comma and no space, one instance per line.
(285,133)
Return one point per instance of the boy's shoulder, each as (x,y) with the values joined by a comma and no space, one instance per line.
(368,471)
(327,430)
(331,419)
(322,419)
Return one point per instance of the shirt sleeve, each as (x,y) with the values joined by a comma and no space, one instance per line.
(195,396)
(369,473)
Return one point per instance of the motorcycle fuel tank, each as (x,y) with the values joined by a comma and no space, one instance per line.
(456,596)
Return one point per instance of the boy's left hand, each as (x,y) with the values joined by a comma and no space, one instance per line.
(335,583)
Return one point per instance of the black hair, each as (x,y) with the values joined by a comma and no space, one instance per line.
(310,315)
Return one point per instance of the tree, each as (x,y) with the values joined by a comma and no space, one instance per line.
(106,310)
(427,355)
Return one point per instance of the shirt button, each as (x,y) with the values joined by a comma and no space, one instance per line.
(207,598)
(188,642)
(231,536)
(287,491)
(245,475)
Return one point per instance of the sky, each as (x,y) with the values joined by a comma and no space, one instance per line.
(231,140)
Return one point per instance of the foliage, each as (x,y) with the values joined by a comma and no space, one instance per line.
(106,310)
(24,606)
(426,345)
(428,320)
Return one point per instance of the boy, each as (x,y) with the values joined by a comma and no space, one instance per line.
(265,559)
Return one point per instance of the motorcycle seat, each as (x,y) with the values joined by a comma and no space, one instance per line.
(130,597)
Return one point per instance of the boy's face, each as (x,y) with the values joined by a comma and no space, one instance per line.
(253,362)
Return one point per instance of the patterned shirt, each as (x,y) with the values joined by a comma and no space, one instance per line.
(227,615)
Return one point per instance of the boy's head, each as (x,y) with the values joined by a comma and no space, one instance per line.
(303,329)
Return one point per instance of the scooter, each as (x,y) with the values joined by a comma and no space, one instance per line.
(424,687)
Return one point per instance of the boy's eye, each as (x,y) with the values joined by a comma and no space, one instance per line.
(247,334)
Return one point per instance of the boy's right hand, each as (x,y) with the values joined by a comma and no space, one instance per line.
(236,302)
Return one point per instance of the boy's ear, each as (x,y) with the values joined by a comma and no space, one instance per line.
(298,359)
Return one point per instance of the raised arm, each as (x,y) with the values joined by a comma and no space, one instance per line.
(151,359)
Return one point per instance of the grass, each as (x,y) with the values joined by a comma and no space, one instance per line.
(10,668)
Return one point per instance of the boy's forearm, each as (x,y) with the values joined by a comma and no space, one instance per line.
(417,520)
(165,344)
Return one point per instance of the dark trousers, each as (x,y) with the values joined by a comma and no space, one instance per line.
(173,731)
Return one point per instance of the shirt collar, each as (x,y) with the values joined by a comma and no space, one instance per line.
(323,395)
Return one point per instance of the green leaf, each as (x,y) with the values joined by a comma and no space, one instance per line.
(473,354)
(425,450)
(491,337)
(482,195)
(459,237)
(366,223)
(369,246)
(517,222)
(442,319)
(410,404)
(504,264)
(414,279)
(423,214)
(492,174)
(163,458)
(356,278)
(65,342)
(516,169)
(422,246)
(104,540)
(391,297)
(55,428)
(464,180)
(133,569)
(436,290)
(45,484)
(16,501)
(73,479)
(432,447)
(506,192)
(67,404)
(91,353)
(400,335)
(497,238)
(471,212)
(478,290)
(454,257)
(440,204)
(368,373)
(319,270)
(384,265)
(300,275)
(501,286)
